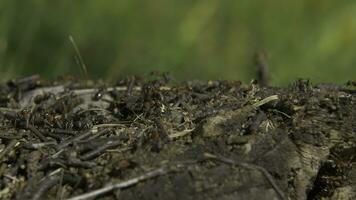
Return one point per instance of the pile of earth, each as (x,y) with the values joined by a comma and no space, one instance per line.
(149,139)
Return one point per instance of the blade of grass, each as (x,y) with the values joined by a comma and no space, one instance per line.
(79,58)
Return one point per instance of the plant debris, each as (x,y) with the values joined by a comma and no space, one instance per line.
(149,139)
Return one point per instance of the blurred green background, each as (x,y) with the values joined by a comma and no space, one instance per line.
(195,39)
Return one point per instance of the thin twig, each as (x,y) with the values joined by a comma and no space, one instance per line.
(125,184)
(4,109)
(121,150)
(73,139)
(8,148)
(95,128)
(75,162)
(38,189)
(37,133)
(268,176)
(283,113)
(78,138)
(45,185)
(181,133)
(265,100)
(100,150)
(60,188)
(11,178)
(106,125)
(110,89)
(39,145)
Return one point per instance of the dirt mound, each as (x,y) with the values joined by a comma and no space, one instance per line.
(195,140)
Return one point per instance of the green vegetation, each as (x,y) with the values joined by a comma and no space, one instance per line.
(200,39)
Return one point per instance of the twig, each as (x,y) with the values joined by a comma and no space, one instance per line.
(78,138)
(100,150)
(57,154)
(181,133)
(125,184)
(110,89)
(4,109)
(64,131)
(265,100)
(11,178)
(37,133)
(30,145)
(268,176)
(283,113)
(36,190)
(106,125)
(45,185)
(60,188)
(75,162)
(73,139)
(8,148)
(121,150)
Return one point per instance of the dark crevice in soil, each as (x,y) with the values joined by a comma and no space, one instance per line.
(333,173)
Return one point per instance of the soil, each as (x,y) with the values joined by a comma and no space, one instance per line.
(149,139)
